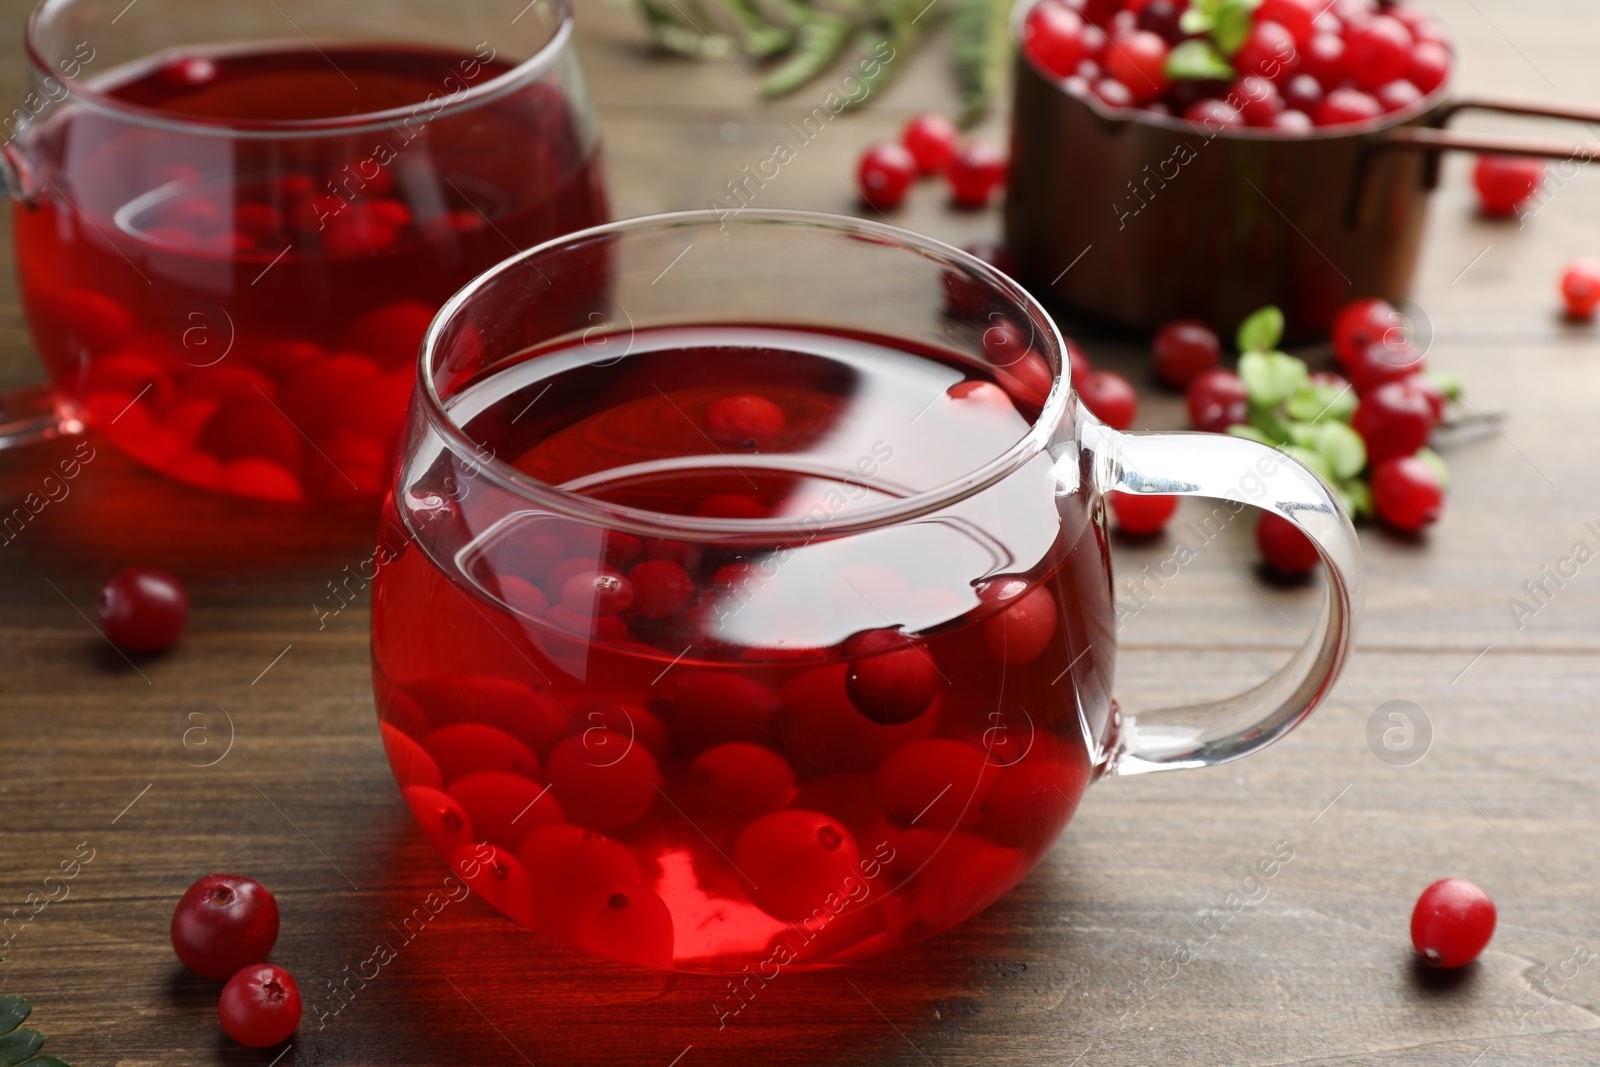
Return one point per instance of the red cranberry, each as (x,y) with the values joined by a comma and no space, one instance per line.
(1580,287)
(1161,17)
(976,171)
(1142,513)
(891,679)
(936,784)
(745,422)
(1110,398)
(1077,361)
(1324,59)
(1217,400)
(1113,93)
(1394,420)
(143,609)
(1505,183)
(1214,114)
(1258,100)
(1186,92)
(741,779)
(1406,493)
(1284,547)
(1094,42)
(603,780)
(1398,95)
(885,173)
(1428,66)
(931,140)
(1184,349)
(1383,363)
(1431,391)
(1302,93)
(1293,122)
(1362,323)
(260,1006)
(1269,51)
(1052,35)
(188,72)
(1139,61)
(661,588)
(1452,922)
(1343,106)
(1293,15)
(1101,12)
(1378,51)
(792,861)
(224,922)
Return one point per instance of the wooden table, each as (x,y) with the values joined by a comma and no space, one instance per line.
(1069,969)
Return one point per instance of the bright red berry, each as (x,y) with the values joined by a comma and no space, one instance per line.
(1360,324)
(1302,93)
(1113,93)
(1323,58)
(1139,61)
(1052,35)
(975,172)
(1383,363)
(1216,400)
(1142,513)
(931,140)
(1026,624)
(1505,183)
(224,922)
(741,779)
(143,609)
(1292,121)
(1110,397)
(1269,51)
(661,588)
(792,861)
(1214,114)
(1429,66)
(1580,287)
(884,174)
(1394,420)
(1258,100)
(1452,922)
(1078,361)
(745,422)
(933,784)
(603,780)
(1398,95)
(1378,51)
(1343,106)
(1406,493)
(891,678)
(260,1006)
(187,72)
(1293,15)
(1430,391)
(1284,547)
(1184,349)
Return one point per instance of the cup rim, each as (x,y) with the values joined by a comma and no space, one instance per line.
(338,125)
(659,524)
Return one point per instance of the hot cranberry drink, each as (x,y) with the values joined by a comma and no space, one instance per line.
(702,750)
(228,257)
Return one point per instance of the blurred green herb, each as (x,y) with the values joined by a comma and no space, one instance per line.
(19,1045)
(1225,25)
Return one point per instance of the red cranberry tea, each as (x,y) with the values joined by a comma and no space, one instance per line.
(230,259)
(781,750)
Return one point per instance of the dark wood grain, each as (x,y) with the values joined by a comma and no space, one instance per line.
(1069,968)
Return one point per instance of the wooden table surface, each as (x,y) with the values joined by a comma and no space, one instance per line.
(1074,966)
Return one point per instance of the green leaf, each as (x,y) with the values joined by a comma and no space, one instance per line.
(1250,433)
(1312,461)
(1343,448)
(1231,24)
(19,1046)
(1270,378)
(1452,385)
(1195,20)
(1196,60)
(1262,331)
(13,1010)
(1356,496)
(1320,403)
(1276,428)
(1300,433)
(1436,461)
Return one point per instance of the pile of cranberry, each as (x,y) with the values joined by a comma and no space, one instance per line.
(930,145)
(1288,64)
(223,928)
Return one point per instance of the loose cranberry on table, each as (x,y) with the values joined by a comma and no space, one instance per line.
(1284,547)
(1216,400)
(931,140)
(975,172)
(1452,923)
(1580,287)
(1362,323)
(143,609)
(1184,349)
(1142,513)
(1394,420)
(224,922)
(1505,183)
(1406,493)
(1110,397)
(260,1006)
(885,173)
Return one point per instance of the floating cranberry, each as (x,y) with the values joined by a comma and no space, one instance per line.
(1452,922)
(890,679)
(822,730)
(1184,349)
(1343,106)
(603,780)
(884,174)
(1580,288)
(627,922)
(1259,101)
(793,862)
(1268,51)
(222,923)
(469,746)
(1110,397)
(353,234)
(498,877)
(744,422)
(410,762)
(1394,420)
(1505,183)
(143,609)
(740,779)
(1052,35)
(391,334)
(1285,548)
(1030,802)
(661,588)
(187,72)
(1216,400)
(709,707)
(1142,514)
(260,1006)
(1139,61)
(1406,493)
(937,784)
(975,172)
(931,140)
(566,865)
(1017,635)
(502,807)
(442,821)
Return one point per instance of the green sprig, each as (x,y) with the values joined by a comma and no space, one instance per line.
(19,1046)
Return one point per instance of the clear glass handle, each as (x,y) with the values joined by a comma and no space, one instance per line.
(1238,473)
